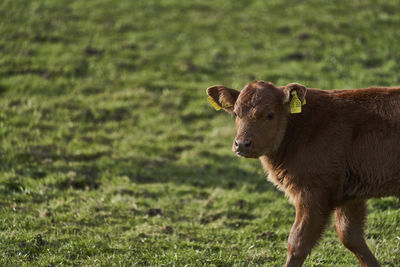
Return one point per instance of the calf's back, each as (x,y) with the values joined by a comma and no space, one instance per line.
(346,141)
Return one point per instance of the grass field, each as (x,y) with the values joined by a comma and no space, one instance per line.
(111,155)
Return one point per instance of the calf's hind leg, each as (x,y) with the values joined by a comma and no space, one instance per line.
(349,224)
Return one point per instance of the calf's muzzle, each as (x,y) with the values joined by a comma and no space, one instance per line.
(242,146)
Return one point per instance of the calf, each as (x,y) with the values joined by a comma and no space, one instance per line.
(329,151)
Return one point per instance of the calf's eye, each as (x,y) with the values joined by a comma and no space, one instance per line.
(270,116)
(234,114)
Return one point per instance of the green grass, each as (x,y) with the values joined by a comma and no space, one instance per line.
(110,154)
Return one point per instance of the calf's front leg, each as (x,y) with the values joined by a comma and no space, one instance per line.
(312,216)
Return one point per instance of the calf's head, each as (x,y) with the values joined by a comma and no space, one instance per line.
(261,112)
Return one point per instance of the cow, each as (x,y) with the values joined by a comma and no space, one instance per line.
(329,151)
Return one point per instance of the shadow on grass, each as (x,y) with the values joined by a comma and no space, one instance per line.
(83,171)
(225,173)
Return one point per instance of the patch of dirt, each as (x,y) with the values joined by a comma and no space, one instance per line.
(267,235)
(168,230)
(91,51)
(241,203)
(154,212)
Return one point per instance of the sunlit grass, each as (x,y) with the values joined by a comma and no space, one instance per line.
(111,155)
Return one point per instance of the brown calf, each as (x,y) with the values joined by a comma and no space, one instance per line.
(342,148)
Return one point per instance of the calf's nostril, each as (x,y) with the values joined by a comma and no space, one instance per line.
(236,143)
(247,143)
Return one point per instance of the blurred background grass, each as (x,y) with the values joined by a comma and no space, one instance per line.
(111,155)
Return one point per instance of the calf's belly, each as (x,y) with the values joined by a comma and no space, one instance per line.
(373,167)
(372,181)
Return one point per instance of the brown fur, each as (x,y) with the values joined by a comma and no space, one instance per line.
(342,149)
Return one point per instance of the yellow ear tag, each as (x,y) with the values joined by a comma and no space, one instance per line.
(295,103)
(213,103)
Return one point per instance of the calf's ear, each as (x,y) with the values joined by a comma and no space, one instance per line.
(223,97)
(299,88)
